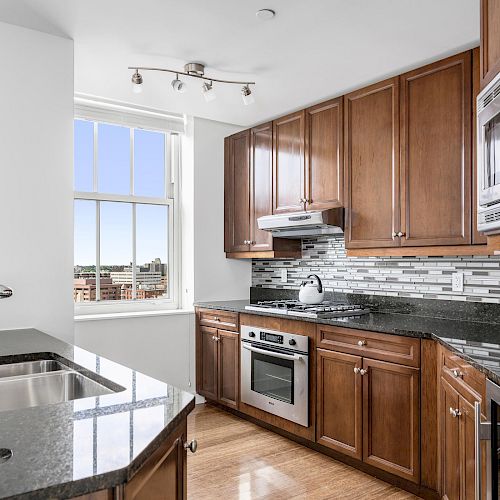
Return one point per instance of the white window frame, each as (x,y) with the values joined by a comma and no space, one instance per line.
(172,126)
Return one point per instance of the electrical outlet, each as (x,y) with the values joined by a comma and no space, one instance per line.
(457,282)
(284,276)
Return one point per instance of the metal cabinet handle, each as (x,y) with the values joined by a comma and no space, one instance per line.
(400,234)
(192,446)
(394,235)
(216,318)
(455,412)
(356,370)
(457,373)
(214,338)
(361,343)
(5,292)
(363,372)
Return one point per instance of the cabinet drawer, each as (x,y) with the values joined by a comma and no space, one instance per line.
(461,375)
(219,319)
(384,347)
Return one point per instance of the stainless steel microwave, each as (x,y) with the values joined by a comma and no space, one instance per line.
(488,158)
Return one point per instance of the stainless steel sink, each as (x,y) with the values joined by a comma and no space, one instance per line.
(31,367)
(47,388)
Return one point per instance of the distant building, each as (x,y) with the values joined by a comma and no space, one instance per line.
(84,290)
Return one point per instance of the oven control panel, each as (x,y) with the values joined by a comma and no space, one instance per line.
(291,341)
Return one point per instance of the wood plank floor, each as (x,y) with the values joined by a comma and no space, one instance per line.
(238,460)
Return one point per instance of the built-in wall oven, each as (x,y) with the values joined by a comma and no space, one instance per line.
(490,432)
(275,372)
(488,158)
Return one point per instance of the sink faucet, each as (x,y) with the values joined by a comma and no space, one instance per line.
(5,292)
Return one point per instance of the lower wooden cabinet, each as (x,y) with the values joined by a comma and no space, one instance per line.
(370,410)
(218,365)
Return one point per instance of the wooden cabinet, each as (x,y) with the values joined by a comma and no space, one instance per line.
(324,162)
(237,192)
(490,40)
(288,163)
(217,362)
(436,153)
(339,402)
(371,135)
(391,418)
(369,409)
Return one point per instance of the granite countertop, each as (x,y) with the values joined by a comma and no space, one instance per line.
(475,341)
(70,449)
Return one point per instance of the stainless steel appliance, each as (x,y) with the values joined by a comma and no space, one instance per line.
(488,158)
(490,432)
(303,224)
(275,372)
(324,310)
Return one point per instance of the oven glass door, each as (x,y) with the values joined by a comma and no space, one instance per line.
(272,377)
(491,156)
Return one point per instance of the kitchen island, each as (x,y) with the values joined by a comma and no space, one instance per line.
(128,443)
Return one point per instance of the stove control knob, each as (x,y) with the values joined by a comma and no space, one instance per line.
(251,334)
(292,342)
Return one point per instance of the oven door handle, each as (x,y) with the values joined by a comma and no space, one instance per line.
(482,432)
(274,354)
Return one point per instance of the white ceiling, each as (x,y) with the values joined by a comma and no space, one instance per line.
(310,51)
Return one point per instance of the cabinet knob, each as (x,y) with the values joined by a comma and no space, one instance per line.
(363,372)
(215,339)
(356,370)
(192,446)
(361,343)
(455,412)
(457,373)
(394,235)
(216,318)
(400,234)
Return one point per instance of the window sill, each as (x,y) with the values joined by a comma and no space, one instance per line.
(131,314)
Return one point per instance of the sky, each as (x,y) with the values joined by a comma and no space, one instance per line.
(113,176)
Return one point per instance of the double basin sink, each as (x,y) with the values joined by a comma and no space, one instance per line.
(43,382)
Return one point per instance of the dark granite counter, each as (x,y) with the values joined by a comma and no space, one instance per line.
(476,341)
(69,449)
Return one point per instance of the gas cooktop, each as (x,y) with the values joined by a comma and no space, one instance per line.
(295,308)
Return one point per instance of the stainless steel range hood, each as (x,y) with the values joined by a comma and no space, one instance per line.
(304,224)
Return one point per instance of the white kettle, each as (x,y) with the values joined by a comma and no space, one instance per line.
(311,290)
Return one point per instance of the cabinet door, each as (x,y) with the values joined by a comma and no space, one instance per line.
(449,433)
(288,163)
(391,412)
(339,398)
(436,153)
(228,367)
(163,476)
(237,192)
(371,135)
(261,181)
(477,237)
(206,355)
(324,155)
(490,40)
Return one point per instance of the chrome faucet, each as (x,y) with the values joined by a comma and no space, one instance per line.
(5,292)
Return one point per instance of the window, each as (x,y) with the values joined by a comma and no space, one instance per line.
(124,215)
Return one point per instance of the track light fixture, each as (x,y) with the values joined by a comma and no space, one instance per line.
(193,70)
(247,96)
(208,91)
(137,82)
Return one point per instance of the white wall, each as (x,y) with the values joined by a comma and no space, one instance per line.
(36,181)
(163,346)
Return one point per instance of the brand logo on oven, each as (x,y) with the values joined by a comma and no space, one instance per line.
(271,403)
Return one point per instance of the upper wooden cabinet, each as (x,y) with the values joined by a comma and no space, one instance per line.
(324,156)
(436,153)
(288,163)
(237,192)
(490,40)
(371,132)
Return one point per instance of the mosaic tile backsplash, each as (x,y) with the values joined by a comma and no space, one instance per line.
(418,277)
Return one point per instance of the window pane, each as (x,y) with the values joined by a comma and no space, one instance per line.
(152,251)
(84,282)
(116,251)
(113,159)
(84,155)
(149,163)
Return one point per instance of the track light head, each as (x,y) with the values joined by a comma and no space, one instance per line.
(208,91)
(178,85)
(247,96)
(137,82)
